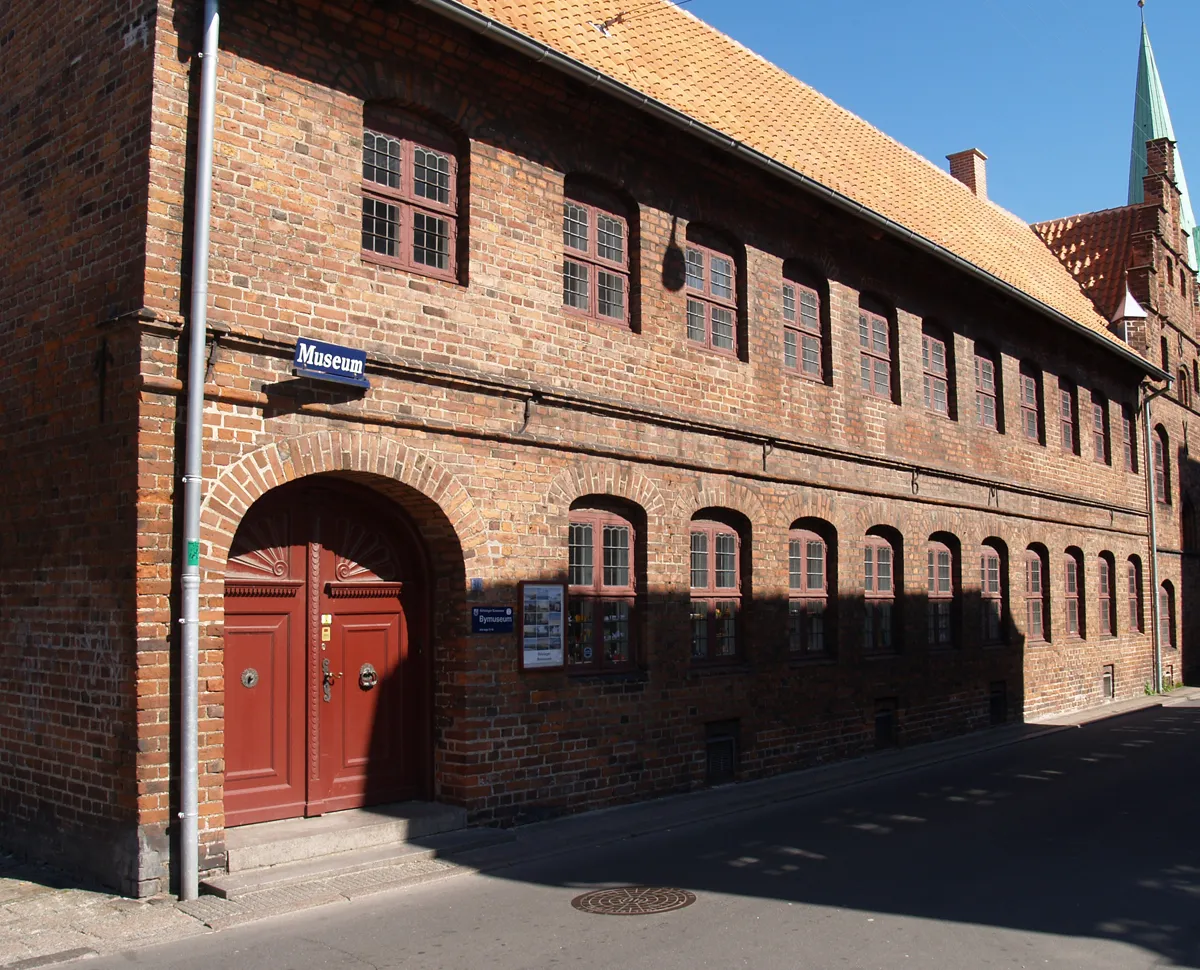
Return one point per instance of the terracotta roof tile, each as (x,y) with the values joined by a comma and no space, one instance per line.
(1094,247)
(670,55)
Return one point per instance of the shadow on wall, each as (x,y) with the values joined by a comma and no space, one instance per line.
(1187,602)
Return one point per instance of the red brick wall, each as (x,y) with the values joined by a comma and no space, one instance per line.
(74,135)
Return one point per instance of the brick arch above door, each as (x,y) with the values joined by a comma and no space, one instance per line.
(363,455)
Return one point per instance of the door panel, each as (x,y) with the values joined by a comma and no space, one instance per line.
(264,738)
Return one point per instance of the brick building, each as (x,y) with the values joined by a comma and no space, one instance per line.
(822,449)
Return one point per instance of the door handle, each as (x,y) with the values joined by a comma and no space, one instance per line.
(327,679)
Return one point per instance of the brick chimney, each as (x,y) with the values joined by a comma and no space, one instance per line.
(970,168)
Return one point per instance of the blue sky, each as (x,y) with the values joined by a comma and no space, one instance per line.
(1044,89)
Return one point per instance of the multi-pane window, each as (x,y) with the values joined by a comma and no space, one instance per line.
(601,591)
(1068,418)
(1162,467)
(940,586)
(875,354)
(1107,604)
(410,215)
(1100,446)
(935,364)
(1133,591)
(1166,615)
(987,397)
(1036,591)
(715,590)
(1031,411)
(711,298)
(802,330)
(808,593)
(1128,438)
(595,261)
(991,594)
(879,596)
(1072,600)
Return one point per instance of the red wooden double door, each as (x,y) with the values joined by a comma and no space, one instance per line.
(326,661)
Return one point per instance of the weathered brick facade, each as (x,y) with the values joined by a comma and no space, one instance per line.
(491,411)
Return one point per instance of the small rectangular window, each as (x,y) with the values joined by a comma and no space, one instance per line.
(1069,419)
(986,394)
(1031,424)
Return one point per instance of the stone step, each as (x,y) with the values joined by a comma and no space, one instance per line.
(297,839)
(403,859)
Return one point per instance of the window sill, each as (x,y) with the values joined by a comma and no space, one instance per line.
(614,323)
(387,262)
(889,655)
(797,375)
(816,660)
(707,668)
(715,351)
(621,675)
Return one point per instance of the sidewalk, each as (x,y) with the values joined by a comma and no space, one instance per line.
(44,920)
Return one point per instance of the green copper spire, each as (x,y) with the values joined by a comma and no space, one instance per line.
(1151,120)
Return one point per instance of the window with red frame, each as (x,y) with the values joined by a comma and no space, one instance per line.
(711,298)
(1133,590)
(1107,604)
(1031,409)
(879,596)
(935,363)
(1100,444)
(1128,438)
(991,594)
(808,593)
(1162,467)
(1036,592)
(987,393)
(939,606)
(875,354)
(1166,615)
(1068,418)
(1072,600)
(802,349)
(410,198)
(595,260)
(715,590)
(601,591)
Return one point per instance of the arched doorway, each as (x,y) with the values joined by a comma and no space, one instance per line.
(326,655)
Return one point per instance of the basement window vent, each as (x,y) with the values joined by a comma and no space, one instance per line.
(887,727)
(998,701)
(1110,682)
(1169,676)
(721,752)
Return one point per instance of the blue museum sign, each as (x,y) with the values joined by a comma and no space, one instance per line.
(329,362)
(491,619)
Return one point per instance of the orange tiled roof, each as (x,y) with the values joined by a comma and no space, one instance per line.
(1094,247)
(668,54)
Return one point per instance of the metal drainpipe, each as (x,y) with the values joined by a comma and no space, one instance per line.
(189,837)
(1152,506)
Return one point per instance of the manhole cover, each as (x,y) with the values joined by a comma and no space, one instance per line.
(633,901)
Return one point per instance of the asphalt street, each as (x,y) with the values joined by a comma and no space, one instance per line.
(1078,849)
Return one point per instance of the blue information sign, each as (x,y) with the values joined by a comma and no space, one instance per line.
(491,619)
(329,362)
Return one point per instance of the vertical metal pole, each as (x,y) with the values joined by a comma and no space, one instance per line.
(189,838)
(1151,504)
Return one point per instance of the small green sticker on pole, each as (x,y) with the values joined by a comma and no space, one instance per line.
(193,553)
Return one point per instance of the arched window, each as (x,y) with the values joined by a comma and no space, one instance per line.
(1133,589)
(992,592)
(1106,585)
(410,194)
(1037,594)
(717,587)
(1166,614)
(937,366)
(875,350)
(602,586)
(804,331)
(942,586)
(712,291)
(811,562)
(1166,356)
(596,253)
(1073,598)
(1162,466)
(1184,390)
(881,575)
